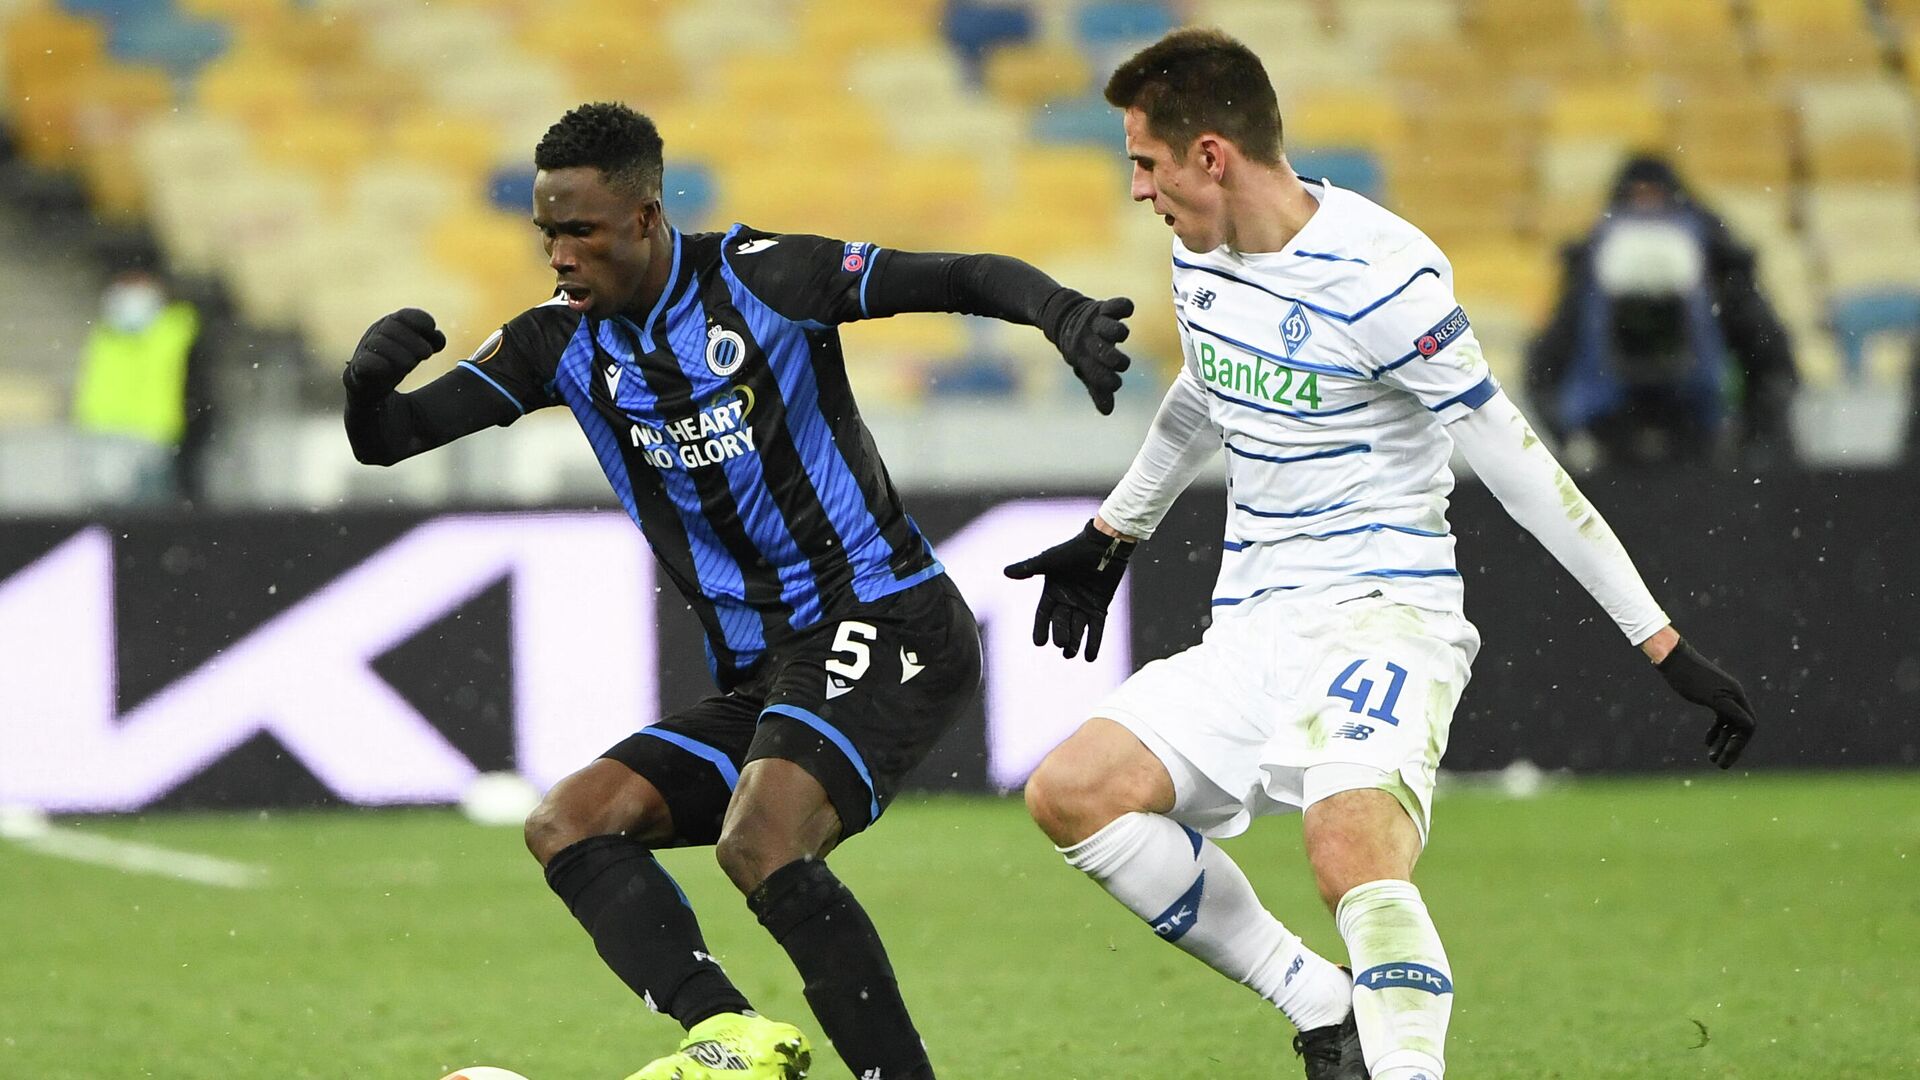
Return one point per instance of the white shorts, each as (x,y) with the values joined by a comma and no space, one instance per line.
(1292,701)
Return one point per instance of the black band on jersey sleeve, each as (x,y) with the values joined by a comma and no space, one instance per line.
(398,426)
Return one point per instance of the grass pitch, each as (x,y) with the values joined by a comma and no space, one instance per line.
(1601,930)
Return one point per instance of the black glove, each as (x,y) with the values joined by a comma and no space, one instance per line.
(390,349)
(1081,578)
(1695,678)
(1085,331)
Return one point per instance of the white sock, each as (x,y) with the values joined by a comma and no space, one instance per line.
(1194,896)
(1402,986)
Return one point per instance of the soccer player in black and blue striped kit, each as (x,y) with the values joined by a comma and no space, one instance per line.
(706,372)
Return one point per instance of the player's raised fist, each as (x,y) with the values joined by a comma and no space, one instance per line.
(1700,681)
(393,346)
(1087,333)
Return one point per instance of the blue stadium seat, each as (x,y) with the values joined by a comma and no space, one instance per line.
(1858,316)
(510,187)
(1124,20)
(113,10)
(162,38)
(688,193)
(1355,170)
(977,376)
(974,29)
(1088,120)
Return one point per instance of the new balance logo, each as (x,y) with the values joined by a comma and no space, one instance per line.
(1293,969)
(1204,298)
(910,664)
(1356,732)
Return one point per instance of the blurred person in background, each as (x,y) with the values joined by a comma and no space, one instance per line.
(137,388)
(1661,347)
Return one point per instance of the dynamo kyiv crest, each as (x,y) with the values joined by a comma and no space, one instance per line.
(1294,331)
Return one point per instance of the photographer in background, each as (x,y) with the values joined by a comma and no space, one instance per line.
(1661,348)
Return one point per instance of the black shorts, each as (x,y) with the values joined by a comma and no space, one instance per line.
(856,701)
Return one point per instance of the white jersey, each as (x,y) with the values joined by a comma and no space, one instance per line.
(1340,373)
(1330,370)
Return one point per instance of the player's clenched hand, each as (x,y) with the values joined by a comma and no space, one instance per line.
(1079,580)
(1700,681)
(1087,331)
(391,347)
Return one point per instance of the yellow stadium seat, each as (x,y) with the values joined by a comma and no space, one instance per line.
(1624,112)
(37,47)
(1501,272)
(1753,214)
(1576,177)
(410,194)
(625,58)
(1731,136)
(1034,74)
(467,241)
(930,201)
(1080,184)
(1840,216)
(1698,37)
(773,81)
(256,88)
(841,29)
(1858,131)
(1787,18)
(908,78)
(1507,24)
(1356,117)
(328,145)
(1278,30)
(1382,23)
(958,124)
(1459,198)
(437,136)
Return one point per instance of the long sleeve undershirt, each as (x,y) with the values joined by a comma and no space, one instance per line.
(1178,445)
(1537,492)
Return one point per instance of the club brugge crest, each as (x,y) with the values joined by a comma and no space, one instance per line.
(1295,330)
(726,351)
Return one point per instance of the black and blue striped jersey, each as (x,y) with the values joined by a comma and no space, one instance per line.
(726,425)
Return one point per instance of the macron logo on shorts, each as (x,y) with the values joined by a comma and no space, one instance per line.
(1411,976)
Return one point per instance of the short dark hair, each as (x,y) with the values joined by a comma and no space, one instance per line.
(1198,80)
(624,145)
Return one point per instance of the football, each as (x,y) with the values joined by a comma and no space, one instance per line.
(483,1072)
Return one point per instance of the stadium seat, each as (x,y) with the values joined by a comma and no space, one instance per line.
(904,79)
(1860,315)
(975,28)
(1381,24)
(1109,23)
(1858,131)
(410,194)
(628,57)
(1625,112)
(1731,136)
(163,38)
(1576,177)
(1699,39)
(842,29)
(927,201)
(445,139)
(1279,31)
(1368,118)
(967,124)
(1755,214)
(1840,218)
(1087,120)
(326,144)
(689,193)
(255,88)
(1031,73)
(1821,38)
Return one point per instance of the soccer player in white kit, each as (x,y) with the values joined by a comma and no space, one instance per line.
(1324,350)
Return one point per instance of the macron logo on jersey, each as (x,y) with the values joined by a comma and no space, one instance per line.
(753,246)
(1443,333)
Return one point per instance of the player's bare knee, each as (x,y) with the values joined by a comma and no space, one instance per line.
(551,828)
(749,854)
(603,798)
(1071,801)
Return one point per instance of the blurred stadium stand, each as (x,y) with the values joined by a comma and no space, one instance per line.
(321,162)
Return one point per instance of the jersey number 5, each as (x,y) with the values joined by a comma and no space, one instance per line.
(1357,693)
(852,640)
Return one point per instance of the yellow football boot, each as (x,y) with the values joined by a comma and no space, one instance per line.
(735,1046)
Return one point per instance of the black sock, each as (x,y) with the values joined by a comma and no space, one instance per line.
(849,981)
(642,925)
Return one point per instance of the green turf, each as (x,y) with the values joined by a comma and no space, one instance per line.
(1590,928)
